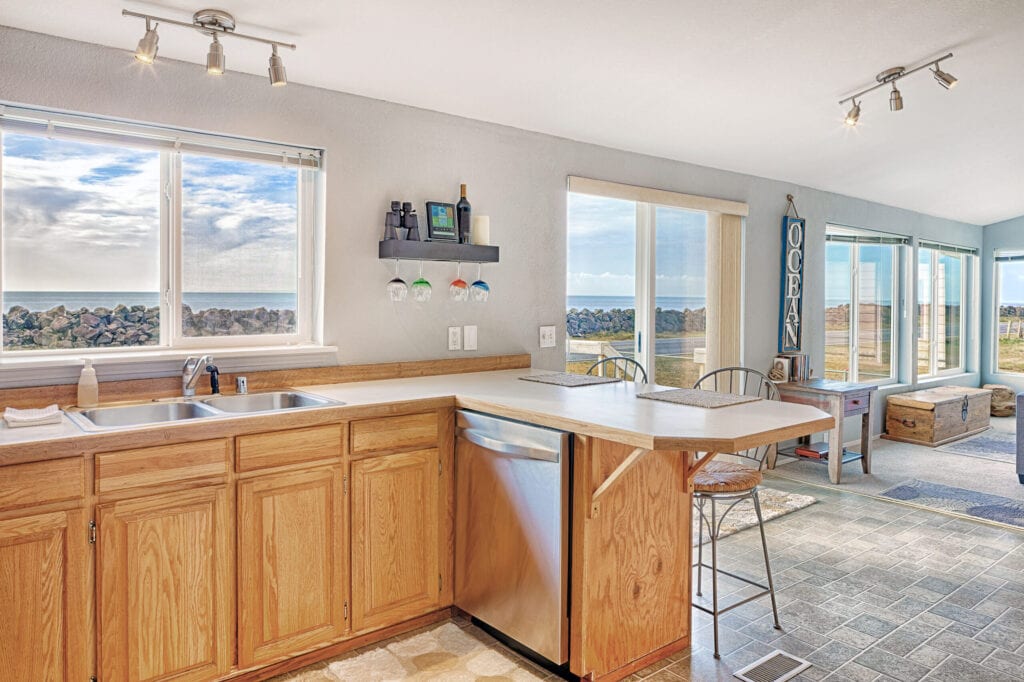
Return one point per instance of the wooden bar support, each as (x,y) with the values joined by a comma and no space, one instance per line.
(631,460)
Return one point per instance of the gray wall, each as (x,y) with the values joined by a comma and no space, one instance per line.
(1008,234)
(378,151)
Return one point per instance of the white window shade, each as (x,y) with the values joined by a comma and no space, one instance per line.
(658,197)
(95,129)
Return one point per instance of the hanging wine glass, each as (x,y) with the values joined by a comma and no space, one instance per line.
(479,290)
(421,288)
(397,288)
(458,289)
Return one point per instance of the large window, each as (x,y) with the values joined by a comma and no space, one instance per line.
(941,278)
(120,236)
(861,291)
(1010,308)
(630,263)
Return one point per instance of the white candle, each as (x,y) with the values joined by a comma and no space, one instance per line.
(481,230)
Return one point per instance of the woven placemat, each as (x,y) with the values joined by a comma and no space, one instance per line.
(569,380)
(697,398)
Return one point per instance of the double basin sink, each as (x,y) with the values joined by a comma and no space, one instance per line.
(182,409)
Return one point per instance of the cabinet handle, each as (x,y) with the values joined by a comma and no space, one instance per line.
(909,423)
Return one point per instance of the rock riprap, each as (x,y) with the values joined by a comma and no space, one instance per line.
(136,325)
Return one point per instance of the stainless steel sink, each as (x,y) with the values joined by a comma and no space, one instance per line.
(182,409)
(136,415)
(266,402)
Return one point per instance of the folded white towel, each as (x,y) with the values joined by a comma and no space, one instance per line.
(36,417)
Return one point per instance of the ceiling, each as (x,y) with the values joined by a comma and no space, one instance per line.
(749,86)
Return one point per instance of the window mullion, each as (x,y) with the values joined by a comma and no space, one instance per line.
(173,256)
(854,310)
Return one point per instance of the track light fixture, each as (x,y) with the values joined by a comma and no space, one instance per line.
(146,51)
(853,115)
(215,58)
(889,77)
(214,23)
(276,70)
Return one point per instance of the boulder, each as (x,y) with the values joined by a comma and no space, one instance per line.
(1004,400)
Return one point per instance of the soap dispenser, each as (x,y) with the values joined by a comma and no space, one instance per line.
(88,388)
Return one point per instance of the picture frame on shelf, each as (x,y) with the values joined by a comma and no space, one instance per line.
(441,225)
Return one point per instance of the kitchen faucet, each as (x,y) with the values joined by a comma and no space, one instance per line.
(190,373)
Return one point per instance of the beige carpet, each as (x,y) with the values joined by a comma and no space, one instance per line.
(774,503)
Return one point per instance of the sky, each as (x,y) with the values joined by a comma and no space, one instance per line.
(86,217)
(602,249)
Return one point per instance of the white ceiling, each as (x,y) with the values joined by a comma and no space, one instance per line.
(748,85)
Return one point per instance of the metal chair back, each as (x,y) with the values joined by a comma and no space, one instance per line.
(620,367)
(742,381)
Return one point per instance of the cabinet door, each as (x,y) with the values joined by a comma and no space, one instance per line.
(292,577)
(44,597)
(164,579)
(396,521)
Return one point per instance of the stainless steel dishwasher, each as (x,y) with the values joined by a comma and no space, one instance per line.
(512,530)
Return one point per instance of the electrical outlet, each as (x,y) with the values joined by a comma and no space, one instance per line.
(469,337)
(454,338)
(547,336)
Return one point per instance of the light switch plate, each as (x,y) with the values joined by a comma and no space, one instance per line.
(469,337)
(454,338)
(547,336)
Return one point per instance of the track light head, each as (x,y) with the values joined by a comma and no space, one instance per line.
(895,99)
(147,48)
(944,79)
(215,58)
(853,115)
(277,74)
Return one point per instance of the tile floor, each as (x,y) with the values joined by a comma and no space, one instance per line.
(868,590)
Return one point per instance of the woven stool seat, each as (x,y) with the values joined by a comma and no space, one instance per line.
(723,477)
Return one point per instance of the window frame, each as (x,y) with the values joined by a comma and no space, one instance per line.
(999,258)
(937,250)
(855,238)
(171,143)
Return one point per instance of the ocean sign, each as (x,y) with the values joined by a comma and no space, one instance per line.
(792,307)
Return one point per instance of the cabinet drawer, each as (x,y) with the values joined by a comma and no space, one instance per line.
(26,485)
(394,433)
(262,450)
(856,404)
(161,464)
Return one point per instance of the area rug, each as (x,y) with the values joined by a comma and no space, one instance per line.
(774,503)
(959,500)
(446,652)
(998,446)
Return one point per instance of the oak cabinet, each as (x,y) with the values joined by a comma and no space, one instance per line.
(397,522)
(44,597)
(292,563)
(164,579)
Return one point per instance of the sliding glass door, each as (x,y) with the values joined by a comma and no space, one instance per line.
(637,286)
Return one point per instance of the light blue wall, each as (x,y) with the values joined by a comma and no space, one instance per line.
(1008,234)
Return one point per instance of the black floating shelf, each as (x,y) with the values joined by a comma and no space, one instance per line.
(445,251)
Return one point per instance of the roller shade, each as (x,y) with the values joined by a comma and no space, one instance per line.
(1009,257)
(867,239)
(49,123)
(948,248)
(658,197)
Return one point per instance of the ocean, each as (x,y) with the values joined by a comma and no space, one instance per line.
(627,302)
(39,301)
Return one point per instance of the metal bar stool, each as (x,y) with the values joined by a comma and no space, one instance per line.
(620,367)
(726,483)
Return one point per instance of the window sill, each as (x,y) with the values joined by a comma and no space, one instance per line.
(147,364)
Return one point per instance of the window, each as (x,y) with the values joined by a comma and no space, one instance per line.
(1010,305)
(861,293)
(941,277)
(639,284)
(120,236)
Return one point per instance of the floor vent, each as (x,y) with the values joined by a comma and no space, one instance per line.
(778,666)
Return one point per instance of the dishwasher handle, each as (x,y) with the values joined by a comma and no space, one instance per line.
(509,449)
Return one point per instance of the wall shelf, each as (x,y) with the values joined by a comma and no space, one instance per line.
(404,249)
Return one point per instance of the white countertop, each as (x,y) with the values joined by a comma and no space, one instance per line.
(609,411)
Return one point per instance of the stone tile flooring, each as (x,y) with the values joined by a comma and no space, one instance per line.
(868,590)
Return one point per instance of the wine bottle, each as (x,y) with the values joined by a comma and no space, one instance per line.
(462,216)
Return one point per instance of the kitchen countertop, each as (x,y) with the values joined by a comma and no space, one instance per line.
(609,411)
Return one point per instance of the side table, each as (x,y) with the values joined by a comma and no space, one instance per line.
(840,399)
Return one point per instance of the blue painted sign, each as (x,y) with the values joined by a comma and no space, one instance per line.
(792,305)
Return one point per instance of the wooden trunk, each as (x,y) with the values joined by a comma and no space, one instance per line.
(937,415)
